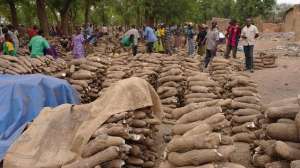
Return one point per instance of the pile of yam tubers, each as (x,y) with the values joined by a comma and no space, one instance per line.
(125,139)
(197,141)
(279,146)
(26,65)
(219,70)
(118,70)
(200,88)
(265,60)
(246,107)
(146,66)
(87,76)
(171,84)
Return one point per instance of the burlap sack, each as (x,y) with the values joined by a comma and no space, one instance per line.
(57,135)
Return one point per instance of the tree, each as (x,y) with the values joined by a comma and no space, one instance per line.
(67,13)
(42,16)
(13,12)
(254,8)
(87,11)
(63,8)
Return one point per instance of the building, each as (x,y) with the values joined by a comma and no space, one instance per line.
(292,21)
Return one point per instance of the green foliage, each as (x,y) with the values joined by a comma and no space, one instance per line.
(128,12)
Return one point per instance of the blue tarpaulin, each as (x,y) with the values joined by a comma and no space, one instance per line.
(22,97)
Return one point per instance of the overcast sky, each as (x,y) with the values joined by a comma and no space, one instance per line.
(289,1)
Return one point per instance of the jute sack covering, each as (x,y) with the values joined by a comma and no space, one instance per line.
(57,136)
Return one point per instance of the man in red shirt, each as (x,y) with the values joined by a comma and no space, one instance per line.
(32,31)
(232,38)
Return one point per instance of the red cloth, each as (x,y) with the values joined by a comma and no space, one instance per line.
(233,35)
(32,32)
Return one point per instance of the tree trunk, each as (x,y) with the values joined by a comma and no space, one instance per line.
(13,12)
(54,15)
(42,16)
(64,23)
(87,11)
(64,14)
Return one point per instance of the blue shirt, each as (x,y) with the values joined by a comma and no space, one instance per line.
(150,35)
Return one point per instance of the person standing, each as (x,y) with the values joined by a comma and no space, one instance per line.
(104,30)
(249,34)
(190,39)
(78,44)
(38,45)
(168,41)
(10,30)
(32,31)
(212,39)
(8,46)
(150,38)
(133,33)
(201,39)
(1,27)
(233,34)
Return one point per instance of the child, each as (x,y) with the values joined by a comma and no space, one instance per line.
(8,46)
(78,44)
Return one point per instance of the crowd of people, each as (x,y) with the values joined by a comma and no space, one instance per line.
(204,40)
(39,45)
(200,39)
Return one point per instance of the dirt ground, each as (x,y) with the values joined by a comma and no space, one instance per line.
(281,82)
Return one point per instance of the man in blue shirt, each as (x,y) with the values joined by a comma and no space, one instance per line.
(150,38)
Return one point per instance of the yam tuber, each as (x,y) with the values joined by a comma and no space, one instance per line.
(106,155)
(101,143)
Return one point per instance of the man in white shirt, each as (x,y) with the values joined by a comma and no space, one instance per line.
(133,33)
(249,35)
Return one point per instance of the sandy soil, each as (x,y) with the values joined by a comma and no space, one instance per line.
(281,82)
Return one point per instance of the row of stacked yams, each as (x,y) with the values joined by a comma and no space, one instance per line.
(260,141)
(199,89)
(208,115)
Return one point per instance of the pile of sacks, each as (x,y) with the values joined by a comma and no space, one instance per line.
(280,142)
(196,142)
(171,84)
(200,88)
(220,70)
(265,60)
(118,70)
(26,65)
(147,67)
(87,76)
